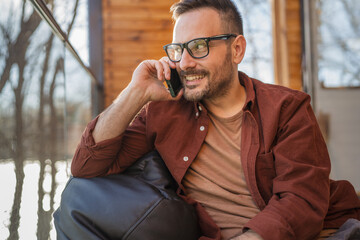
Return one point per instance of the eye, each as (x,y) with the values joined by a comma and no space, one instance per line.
(177,49)
(198,45)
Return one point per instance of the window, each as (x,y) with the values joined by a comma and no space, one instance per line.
(257,21)
(332,53)
(45,103)
(338,43)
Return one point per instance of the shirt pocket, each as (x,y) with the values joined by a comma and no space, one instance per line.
(265,173)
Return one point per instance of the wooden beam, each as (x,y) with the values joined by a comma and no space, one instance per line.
(287,42)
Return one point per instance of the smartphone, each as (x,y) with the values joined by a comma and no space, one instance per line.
(174,84)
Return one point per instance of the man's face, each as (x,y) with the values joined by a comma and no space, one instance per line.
(207,78)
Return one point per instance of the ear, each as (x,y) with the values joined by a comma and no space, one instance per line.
(238,49)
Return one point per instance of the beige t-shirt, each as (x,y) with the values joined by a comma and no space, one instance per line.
(216,178)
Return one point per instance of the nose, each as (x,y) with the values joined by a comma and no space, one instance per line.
(187,61)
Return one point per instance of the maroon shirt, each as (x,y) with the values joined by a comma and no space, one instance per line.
(284,157)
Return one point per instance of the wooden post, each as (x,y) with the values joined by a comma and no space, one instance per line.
(287,43)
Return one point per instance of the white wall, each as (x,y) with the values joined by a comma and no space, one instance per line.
(343,107)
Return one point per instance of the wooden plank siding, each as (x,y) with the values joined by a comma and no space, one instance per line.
(133,30)
(287,42)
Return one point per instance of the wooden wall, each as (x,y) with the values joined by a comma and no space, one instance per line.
(287,43)
(133,30)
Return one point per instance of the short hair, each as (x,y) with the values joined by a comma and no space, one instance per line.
(226,9)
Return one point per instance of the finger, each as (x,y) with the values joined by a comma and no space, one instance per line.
(159,69)
(180,94)
(170,63)
(165,62)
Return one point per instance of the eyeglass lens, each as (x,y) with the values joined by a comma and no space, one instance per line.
(197,48)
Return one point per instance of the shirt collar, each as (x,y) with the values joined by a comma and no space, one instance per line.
(247,83)
(199,107)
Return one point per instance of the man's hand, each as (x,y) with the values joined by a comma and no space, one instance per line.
(148,80)
(146,85)
(249,235)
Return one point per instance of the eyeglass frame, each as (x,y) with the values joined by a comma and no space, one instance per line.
(206,39)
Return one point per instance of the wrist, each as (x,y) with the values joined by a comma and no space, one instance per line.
(134,95)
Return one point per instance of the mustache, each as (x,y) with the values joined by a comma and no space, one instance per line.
(183,73)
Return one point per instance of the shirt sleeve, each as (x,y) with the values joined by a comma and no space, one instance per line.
(300,189)
(113,155)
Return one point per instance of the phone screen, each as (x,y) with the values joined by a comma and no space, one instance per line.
(174,84)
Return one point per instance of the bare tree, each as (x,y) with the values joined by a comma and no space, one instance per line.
(19,61)
(257,36)
(44,216)
(17,57)
(339,30)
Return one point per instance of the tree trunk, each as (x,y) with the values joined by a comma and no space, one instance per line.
(43,225)
(15,211)
(19,155)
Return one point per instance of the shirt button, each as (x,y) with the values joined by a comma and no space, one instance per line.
(186,158)
(202,128)
(200,108)
(197,114)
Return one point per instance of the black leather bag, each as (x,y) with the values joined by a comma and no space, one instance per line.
(140,203)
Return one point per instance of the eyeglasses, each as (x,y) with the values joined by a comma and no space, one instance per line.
(197,48)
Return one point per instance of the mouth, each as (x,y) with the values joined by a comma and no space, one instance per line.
(193,79)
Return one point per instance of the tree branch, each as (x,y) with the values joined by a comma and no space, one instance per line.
(73,18)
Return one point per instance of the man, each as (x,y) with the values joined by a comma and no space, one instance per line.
(251,155)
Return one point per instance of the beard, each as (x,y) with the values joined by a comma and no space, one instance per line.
(218,84)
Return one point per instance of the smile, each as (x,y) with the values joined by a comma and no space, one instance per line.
(194,77)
